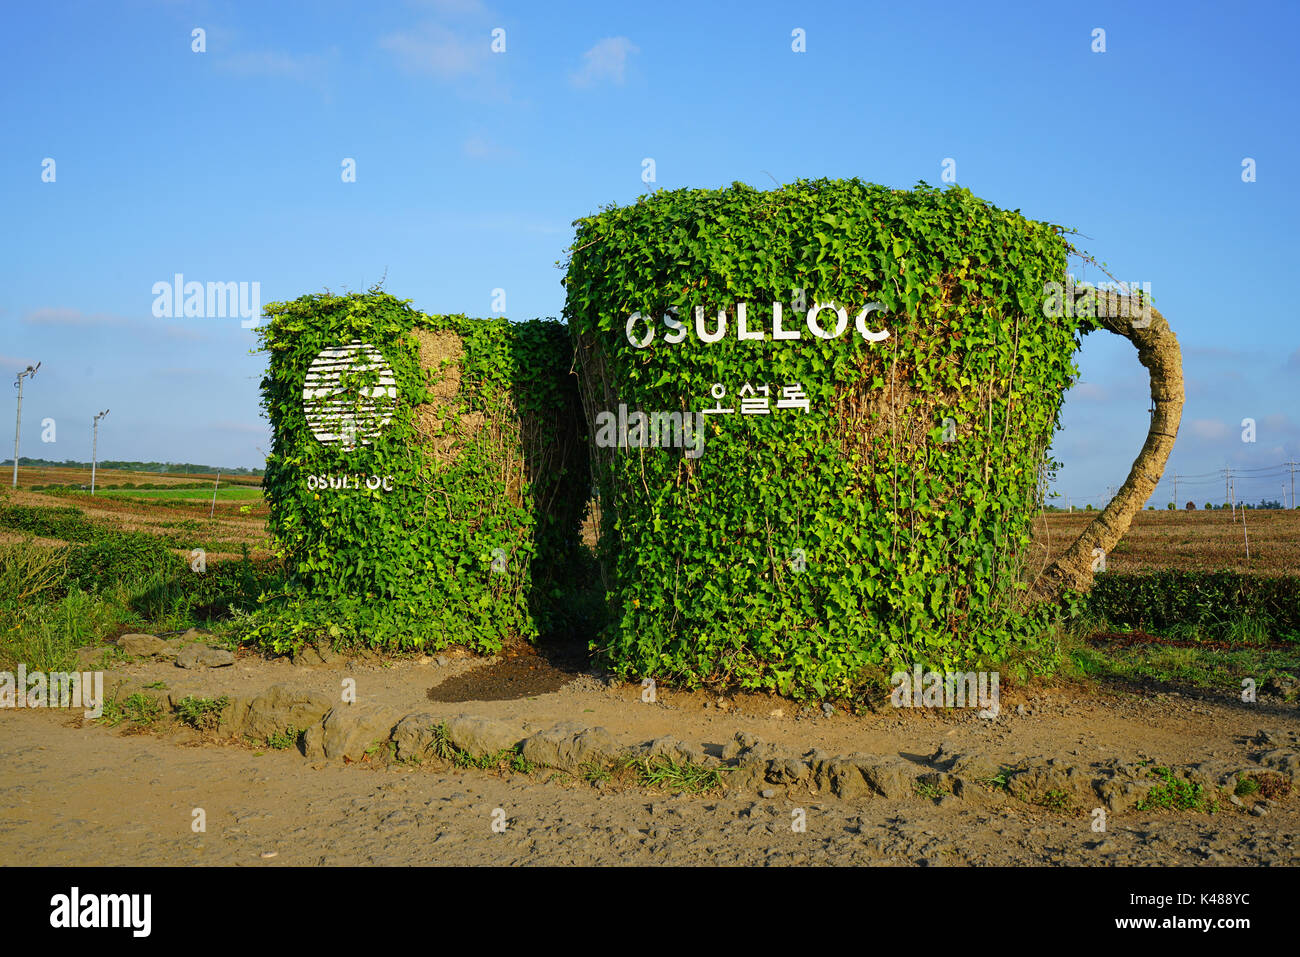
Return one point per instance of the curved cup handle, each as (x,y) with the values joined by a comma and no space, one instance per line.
(1157,350)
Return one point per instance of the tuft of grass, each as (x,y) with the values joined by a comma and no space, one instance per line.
(507,758)
(1176,794)
(664,773)
(283,740)
(927,790)
(138,708)
(1055,800)
(1267,784)
(442,746)
(202,714)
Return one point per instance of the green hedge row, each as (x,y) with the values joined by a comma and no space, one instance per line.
(1214,603)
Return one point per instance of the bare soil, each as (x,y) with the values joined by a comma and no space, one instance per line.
(73,792)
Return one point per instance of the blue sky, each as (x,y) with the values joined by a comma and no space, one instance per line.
(471,165)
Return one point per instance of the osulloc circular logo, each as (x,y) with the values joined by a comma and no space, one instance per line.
(349,395)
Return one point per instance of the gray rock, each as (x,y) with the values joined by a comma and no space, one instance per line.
(742,741)
(768,793)
(787,771)
(892,778)
(142,646)
(201,656)
(748,750)
(568,746)
(481,737)
(279,709)
(745,777)
(307,655)
(973,768)
(347,732)
(1283,685)
(1285,760)
(846,779)
(414,737)
(1038,779)
(679,752)
(827,709)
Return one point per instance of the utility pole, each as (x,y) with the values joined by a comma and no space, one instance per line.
(18,422)
(1292,466)
(218,482)
(94,449)
(1175,486)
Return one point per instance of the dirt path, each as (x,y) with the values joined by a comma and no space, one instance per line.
(92,795)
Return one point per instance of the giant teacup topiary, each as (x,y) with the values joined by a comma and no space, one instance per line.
(427,477)
(887,525)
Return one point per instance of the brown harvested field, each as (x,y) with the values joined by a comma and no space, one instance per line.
(1191,541)
(104,478)
(233,523)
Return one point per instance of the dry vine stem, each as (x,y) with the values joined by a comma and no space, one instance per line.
(1158,351)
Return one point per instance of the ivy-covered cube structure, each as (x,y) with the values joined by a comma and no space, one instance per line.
(428,474)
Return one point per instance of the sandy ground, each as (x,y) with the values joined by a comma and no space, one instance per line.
(74,794)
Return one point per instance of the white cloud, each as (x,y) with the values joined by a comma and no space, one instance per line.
(1090,392)
(607,60)
(51,316)
(454,6)
(241,428)
(66,320)
(274,63)
(479,147)
(1209,429)
(436,51)
(12,364)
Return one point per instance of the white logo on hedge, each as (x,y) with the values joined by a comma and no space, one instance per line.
(374,483)
(333,415)
(812,319)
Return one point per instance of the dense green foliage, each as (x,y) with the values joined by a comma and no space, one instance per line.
(1212,604)
(475,537)
(813,552)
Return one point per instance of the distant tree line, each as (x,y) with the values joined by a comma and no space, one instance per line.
(160,467)
(1190,506)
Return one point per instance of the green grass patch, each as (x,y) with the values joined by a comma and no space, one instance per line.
(233,494)
(664,773)
(202,714)
(283,740)
(137,708)
(1209,669)
(1176,794)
